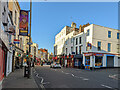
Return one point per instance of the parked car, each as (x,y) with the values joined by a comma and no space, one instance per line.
(55,65)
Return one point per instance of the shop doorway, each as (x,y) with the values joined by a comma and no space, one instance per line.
(87,62)
(110,61)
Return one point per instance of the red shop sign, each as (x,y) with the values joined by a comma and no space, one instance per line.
(88,54)
(98,54)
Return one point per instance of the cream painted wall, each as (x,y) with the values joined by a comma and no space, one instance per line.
(69,44)
(100,33)
(60,40)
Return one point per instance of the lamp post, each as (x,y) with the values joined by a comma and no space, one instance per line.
(29,61)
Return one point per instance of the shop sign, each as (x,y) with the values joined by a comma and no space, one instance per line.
(98,54)
(16,41)
(88,54)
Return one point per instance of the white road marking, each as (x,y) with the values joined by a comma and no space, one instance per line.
(85,79)
(46,83)
(73,75)
(42,80)
(67,73)
(105,86)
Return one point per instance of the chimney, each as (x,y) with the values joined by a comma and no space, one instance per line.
(81,28)
(73,25)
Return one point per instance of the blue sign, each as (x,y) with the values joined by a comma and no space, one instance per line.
(73,52)
(29,43)
(15,42)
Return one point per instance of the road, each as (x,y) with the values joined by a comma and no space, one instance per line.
(75,78)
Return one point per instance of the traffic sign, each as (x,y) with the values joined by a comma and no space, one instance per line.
(29,43)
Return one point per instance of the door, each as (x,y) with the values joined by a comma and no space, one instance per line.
(87,62)
(110,61)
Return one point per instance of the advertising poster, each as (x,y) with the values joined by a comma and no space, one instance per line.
(23,25)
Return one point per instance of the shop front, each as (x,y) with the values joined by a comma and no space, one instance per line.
(78,59)
(93,60)
(70,61)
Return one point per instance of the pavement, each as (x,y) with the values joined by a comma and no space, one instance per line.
(16,79)
(47,77)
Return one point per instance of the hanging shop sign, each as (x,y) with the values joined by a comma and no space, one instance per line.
(16,41)
(23,26)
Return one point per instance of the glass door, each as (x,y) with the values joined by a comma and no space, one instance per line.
(87,62)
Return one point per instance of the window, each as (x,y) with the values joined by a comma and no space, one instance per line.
(109,34)
(71,40)
(76,50)
(66,42)
(118,35)
(71,50)
(15,16)
(88,32)
(109,47)
(76,41)
(99,46)
(79,40)
(79,49)
(66,50)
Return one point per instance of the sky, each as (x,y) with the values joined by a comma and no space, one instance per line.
(48,18)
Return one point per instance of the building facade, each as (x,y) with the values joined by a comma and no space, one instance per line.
(91,46)
(102,47)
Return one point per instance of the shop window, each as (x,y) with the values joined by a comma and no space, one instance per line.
(98,60)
